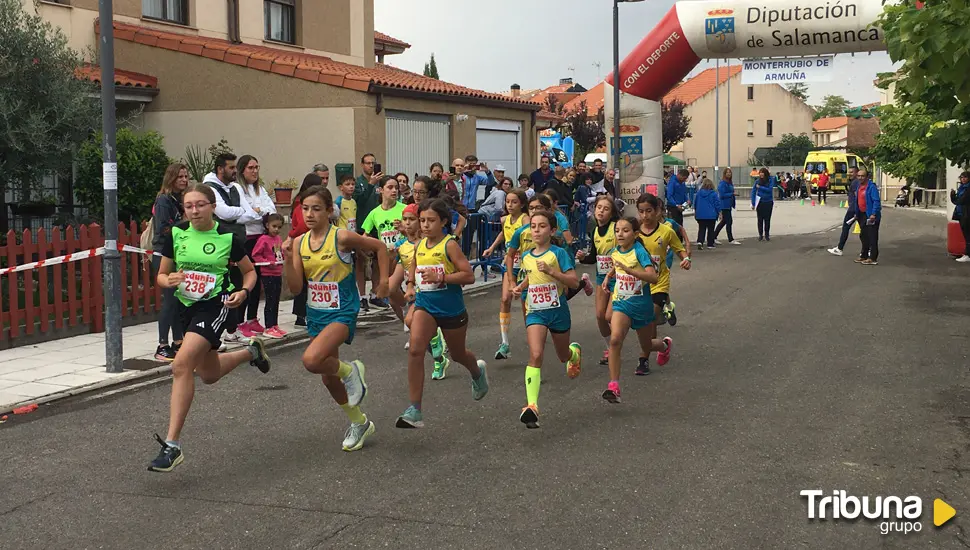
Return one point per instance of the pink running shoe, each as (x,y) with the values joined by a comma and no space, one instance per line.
(274,332)
(664,356)
(256,327)
(245,330)
(612,393)
(587,285)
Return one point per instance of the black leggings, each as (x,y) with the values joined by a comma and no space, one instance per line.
(273,286)
(251,305)
(965,228)
(822,194)
(169,318)
(764,218)
(726,222)
(869,235)
(705,227)
(299,302)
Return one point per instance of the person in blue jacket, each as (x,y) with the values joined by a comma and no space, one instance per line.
(869,216)
(706,208)
(677,195)
(850,213)
(763,200)
(725,193)
(961,213)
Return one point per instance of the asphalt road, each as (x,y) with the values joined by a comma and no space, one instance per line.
(792,370)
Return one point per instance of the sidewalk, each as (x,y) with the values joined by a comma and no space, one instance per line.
(61,368)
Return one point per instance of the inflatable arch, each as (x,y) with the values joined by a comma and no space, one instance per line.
(696,30)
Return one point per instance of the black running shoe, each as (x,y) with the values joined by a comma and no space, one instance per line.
(380,302)
(260,359)
(168,458)
(301,321)
(364,306)
(530,417)
(643,368)
(164,352)
(672,317)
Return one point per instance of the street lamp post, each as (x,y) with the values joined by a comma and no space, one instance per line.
(616,84)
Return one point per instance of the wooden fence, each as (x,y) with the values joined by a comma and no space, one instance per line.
(61,300)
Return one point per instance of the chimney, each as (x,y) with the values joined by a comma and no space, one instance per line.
(565,81)
(516,90)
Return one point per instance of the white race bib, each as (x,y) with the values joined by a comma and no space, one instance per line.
(543,296)
(390,237)
(323,295)
(517,261)
(627,285)
(352,225)
(197,285)
(604,263)
(657,261)
(429,287)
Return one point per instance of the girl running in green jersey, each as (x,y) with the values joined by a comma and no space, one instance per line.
(438,272)
(632,306)
(195,261)
(546,272)
(324,259)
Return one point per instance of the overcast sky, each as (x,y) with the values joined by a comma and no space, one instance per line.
(535,43)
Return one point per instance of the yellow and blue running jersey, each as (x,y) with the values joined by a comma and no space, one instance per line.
(604,240)
(555,258)
(656,244)
(438,299)
(331,286)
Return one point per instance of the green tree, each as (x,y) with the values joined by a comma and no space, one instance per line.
(141,165)
(587,132)
(901,147)
(791,150)
(798,90)
(554,106)
(674,123)
(931,42)
(45,110)
(431,69)
(832,105)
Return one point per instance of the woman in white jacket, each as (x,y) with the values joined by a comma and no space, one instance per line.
(262,204)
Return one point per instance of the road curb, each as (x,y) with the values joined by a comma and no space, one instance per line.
(131,378)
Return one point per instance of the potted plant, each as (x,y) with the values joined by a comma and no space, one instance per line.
(283,190)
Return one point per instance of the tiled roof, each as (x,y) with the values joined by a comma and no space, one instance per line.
(830,123)
(550,116)
(593,98)
(381,37)
(315,68)
(122,78)
(697,87)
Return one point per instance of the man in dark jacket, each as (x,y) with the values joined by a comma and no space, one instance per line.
(677,195)
(961,198)
(850,213)
(541,176)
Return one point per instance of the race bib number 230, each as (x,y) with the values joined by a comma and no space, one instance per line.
(323,295)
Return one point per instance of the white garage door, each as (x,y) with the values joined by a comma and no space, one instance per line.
(414,141)
(500,142)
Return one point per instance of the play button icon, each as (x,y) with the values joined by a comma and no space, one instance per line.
(942,512)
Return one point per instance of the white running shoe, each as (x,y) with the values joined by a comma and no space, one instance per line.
(963,259)
(716,242)
(835,251)
(354,384)
(735,242)
(235,338)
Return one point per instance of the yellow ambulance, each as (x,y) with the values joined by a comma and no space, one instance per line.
(837,163)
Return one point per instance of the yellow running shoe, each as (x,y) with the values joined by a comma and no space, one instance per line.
(573,368)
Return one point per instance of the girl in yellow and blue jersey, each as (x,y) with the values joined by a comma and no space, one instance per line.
(603,236)
(633,271)
(323,258)
(515,204)
(657,237)
(546,273)
(437,274)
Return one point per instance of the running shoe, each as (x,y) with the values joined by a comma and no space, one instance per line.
(235,338)
(176,348)
(605,360)
(364,306)
(503,352)
(223,347)
(274,332)
(760,238)
(354,384)
(767,239)
(407,345)
(670,309)
(300,321)
(664,356)
(870,262)
(438,346)
(260,359)
(164,352)
(410,419)
(480,386)
(835,251)
(356,434)
(444,343)
(612,393)
(244,329)
(530,416)
(963,259)
(735,242)
(441,368)
(587,285)
(859,260)
(380,302)
(256,327)
(573,368)
(717,241)
(643,368)
(168,458)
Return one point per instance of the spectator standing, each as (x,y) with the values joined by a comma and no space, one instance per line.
(597,171)
(564,196)
(403,187)
(232,212)
(494,204)
(850,213)
(167,212)
(323,171)
(609,183)
(763,201)
(539,178)
(524,185)
(258,198)
(706,208)
(298,227)
(869,217)
(677,195)
(495,180)
(961,198)
(728,202)
(823,185)
(473,178)
(367,198)
(269,250)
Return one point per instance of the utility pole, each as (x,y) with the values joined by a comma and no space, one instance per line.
(113,351)
(616,89)
(729,114)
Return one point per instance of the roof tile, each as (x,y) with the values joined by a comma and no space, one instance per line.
(122,77)
(314,68)
(828,124)
(700,85)
(381,37)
